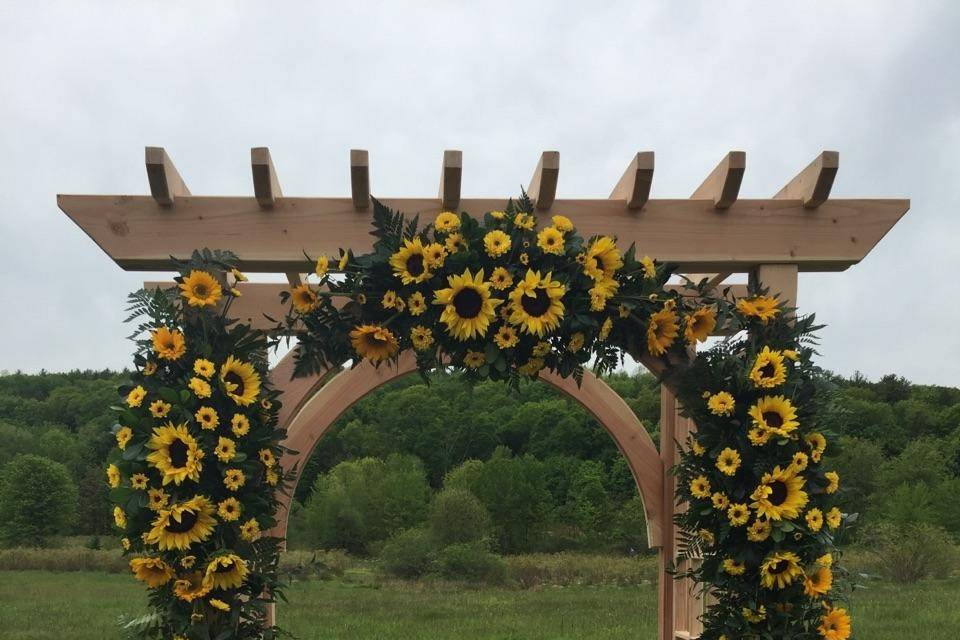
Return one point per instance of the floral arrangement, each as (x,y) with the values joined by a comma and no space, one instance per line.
(761,512)
(195,470)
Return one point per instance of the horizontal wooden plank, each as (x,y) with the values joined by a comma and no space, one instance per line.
(139,234)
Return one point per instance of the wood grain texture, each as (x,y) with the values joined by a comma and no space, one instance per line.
(780,279)
(634,184)
(812,185)
(266,185)
(165,181)
(451,173)
(360,179)
(140,234)
(723,184)
(543,185)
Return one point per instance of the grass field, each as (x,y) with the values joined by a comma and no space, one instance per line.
(84,606)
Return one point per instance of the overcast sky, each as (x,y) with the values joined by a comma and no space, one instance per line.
(86,86)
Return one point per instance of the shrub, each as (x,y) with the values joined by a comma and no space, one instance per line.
(67,559)
(906,553)
(38,499)
(457,515)
(409,554)
(472,562)
(566,569)
(630,526)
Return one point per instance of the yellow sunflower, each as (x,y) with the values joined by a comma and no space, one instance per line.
(550,240)
(759,530)
(207,418)
(474,359)
(250,530)
(157,499)
(649,268)
(738,514)
(506,337)
(602,258)
(721,404)
(417,304)
(229,510)
(168,344)
(764,308)
(304,298)
(192,586)
(699,325)
(728,461)
(818,583)
(496,243)
(601,292)
(203,367)
(500,279)
(139,481)
(233,479)
(700,487)
(814,519)
(175,454)
(421,337)
(218,604)
(154,571)
(800,461)
(562,223)
(240,381)
(662,330)
(113,476)
(183,524)
(779,570)
(833,479)
(226,449)
(536,303)
(160,409)
(733,567)
(768,369)
(266,457)
(780,494)
(373,342)
(201,289)
(123,436)
(447,221)
(834,518)
(323,265)
(835,625)
(239,425)
(817,444)
(410,263)
(775,414)
(468,307)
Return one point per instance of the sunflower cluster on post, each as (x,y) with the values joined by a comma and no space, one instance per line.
(195,471)
(499,298)
(761,511)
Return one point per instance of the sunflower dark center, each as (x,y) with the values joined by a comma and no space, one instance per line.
(224,568)
(178,453)
(375,340)
(415,264)
(767,370)
(538,305)
(773,419)
(780,566)
(234,378)
(468,303)
(200,290)
(187,520)
(598,262)
(778,493)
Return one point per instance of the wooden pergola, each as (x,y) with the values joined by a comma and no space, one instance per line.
(712,234)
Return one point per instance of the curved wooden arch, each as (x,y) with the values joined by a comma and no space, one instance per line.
(316,403)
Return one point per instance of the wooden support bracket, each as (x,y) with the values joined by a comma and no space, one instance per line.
(165,181)
(266,186)
(360,178)
(812,185)
(543,184)
(451,172)
(723,184)
(634,185)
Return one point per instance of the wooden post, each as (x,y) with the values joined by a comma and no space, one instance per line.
(451,173)
(668,423)
(360,179)
(543,185)
(780,279)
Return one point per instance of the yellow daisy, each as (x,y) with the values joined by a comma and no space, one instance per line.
(833,478)
(447,221)
(250,530)
(576,342)
(814,519)
(454,243)
(834,518)
(239,425)
(720,501)
(524,221)
(506,337)
(721,404)
(139,481)
(562,223)
(605,329)
(474,359)
(500,279)
(496,243)
(738,514)
(728,461)
(113,476)
(759,530)
(421,337)
(733,567)
(550,240)
(700,487)
(229,510)
(150,368)
(218,604)
(416,304)
(233,479)
(203,367)
(191,586)
(226,449)
(157,499)
(649,268)
(123,436)
(304,298)
(200,387)
(159,408)
(435,254)
(207,418)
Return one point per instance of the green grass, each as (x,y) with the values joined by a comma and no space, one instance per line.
(85,605)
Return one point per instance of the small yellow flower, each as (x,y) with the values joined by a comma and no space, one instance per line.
(605,329)
(150,368)
(649,268)
(524,221)
(136,396)
(496,243)
(344,260)
(159,408)
(623,311)
(389,300)
(720,501)
(728,461)
(759,530)
(203,367)
(266,457)
(506,337)
(524,258)
(834,479)
(454,243)
(738,514)
(323,265)
(113,476)
(157,499)
(139,481)
(125,543)
(721,404)
(207,418)
(229,510)
(814,519)
(733,567)
(201,388)
(800,461)
(218,604)
(834,518)
(700,487)
(435,255)
(697,448)
(498,215)
(119,518)
(124,435)
(304,298)
(233,479)
(250,530)
(226,449)
(550,240)
(500,279)
(447,221)
(474,359)
(421,337)
(576,342)
(417,304)
(562,223)
(240,425)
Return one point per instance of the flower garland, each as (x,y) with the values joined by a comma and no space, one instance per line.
(195,471)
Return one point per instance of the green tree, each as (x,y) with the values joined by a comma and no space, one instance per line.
(858,463)
(38,499)
(456,515)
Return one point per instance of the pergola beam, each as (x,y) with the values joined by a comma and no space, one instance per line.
(543,185)
(266,186)
(360,179)
(165,181)
(812,185)
(634,184)
(451,172)
(723,184)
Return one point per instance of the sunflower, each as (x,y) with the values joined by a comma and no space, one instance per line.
(240,381)
(605,329)
(123,436)
(496,243)
(733,567)
(768,369)
(562,223)
(817,444)
(779,570)
(175,454)
(233,479)
(304,298)
(738,514)
(139,481)
(834,518)
(203,367)
(780,494)
(154,571)
(218,604)
(700,487)
(374,342)
(721,404)
(113,476)
(167,344)
(775,414)
(500,279)
(474,359)
(119,517)
(833,478)
(662,330)
(416,304)
(207,418)
(192,586)
(183,524)
(602,258)
(421,337)
(250,530)
(157,499)
(159,408)
(226,449)
(239,425)
(601,292)
(720,501)
(136,396)
(835,625)
(410,263)
(506,337)
(649,268)
(323,265)
(759,436)
(759,530)
(764,308)
(550,240)
(200,387)
(728,461)
(699,325)
(576,342)
(814,519)
(436,254)
(800,461)
(447,221)
(200,289)
(536,303)
(468,308)
(229,510)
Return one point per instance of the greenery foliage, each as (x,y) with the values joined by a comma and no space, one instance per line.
(38,499)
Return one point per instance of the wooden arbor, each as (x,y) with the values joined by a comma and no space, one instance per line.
(712,234)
